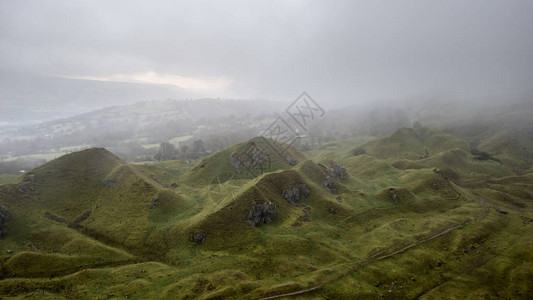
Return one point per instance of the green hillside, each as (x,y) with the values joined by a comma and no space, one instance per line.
(414,214)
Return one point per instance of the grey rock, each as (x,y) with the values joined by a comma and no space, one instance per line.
(236,160)
(290,160)
(197,237)
(329,185)
(294,194)
(252,157)
(261,213)
(305,190)
(337,172)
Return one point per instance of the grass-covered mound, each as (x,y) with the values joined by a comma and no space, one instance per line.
(402,222)
(412,144)
(219,163)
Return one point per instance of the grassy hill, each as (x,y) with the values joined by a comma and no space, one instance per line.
(403,223)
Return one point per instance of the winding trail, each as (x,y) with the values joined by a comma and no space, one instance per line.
(382,255)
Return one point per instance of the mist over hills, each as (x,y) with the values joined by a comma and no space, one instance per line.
(28,98)
(266,150)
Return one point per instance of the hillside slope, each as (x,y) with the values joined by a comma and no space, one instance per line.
(389,220)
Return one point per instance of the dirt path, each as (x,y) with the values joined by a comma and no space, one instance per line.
(381,255)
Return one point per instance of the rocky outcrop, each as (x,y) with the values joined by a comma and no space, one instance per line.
(4,217)
(197,237)
(236,160)
(294,194)
(261,213)
(336,172)
(329,185)
(253,157)
(290,160)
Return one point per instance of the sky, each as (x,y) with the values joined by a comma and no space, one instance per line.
(340,52)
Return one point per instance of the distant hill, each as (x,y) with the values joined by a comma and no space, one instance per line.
(31,98)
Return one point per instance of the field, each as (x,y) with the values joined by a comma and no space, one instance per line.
(414,214)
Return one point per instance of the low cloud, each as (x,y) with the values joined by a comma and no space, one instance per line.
(184,82)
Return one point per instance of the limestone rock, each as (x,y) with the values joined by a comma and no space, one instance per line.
(329,185)
(294,194)
(261,213)
(197,237)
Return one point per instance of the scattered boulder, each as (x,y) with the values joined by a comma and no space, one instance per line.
(329,185)
(290,160)
(294,194)
(4,217)
(173,185)
(10,251)
(332,211)
(261,213)
(197,237)
(109,183)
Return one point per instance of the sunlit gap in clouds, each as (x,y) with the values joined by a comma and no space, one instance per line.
(184,82)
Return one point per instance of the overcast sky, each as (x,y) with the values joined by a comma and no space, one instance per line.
(338,51)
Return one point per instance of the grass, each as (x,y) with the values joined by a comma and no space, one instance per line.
(135,242)
(8,178)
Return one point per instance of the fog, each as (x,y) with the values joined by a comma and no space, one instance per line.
(121,74)
(342,52)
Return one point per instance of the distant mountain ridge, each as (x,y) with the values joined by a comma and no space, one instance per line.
(30,98)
